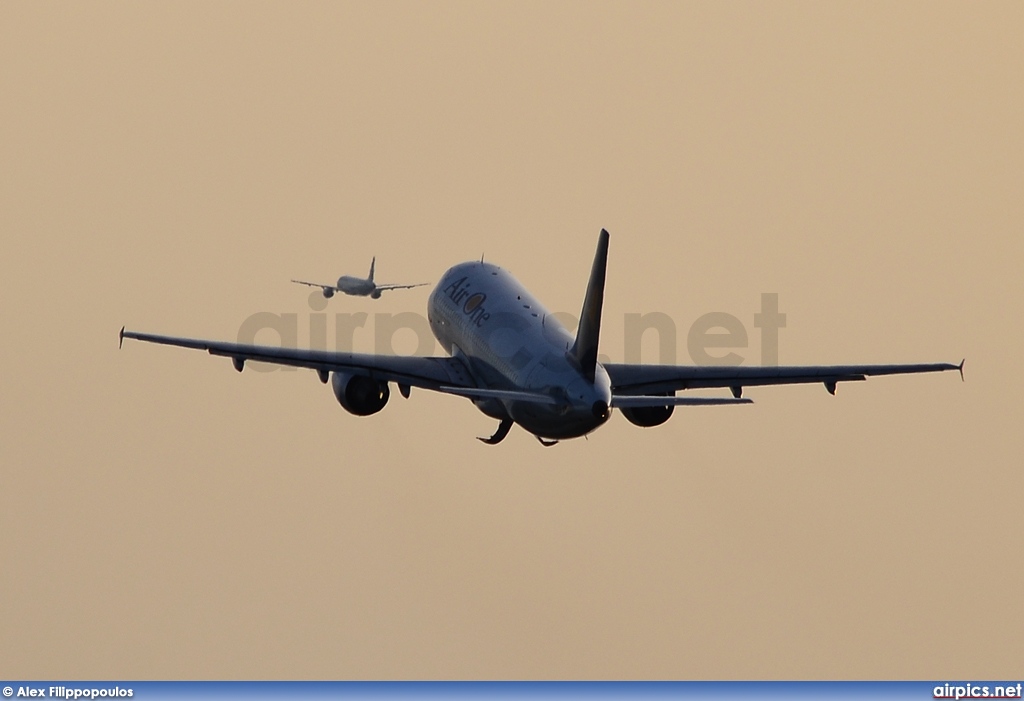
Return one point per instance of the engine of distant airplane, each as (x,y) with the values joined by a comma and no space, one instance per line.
(647,416)
(358,394)
(328,292)
(375,294)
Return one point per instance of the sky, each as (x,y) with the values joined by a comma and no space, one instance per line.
(171,166)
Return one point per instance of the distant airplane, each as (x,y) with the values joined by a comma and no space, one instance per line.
(520,366)
(358,286)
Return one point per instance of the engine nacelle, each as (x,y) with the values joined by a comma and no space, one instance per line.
(375,294)
(358,394)
(647,416)
(328,292)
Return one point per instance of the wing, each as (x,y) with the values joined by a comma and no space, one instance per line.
(315,284)
(654,379)
(438,374)
(384,288)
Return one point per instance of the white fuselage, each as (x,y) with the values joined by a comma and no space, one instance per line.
(482,315)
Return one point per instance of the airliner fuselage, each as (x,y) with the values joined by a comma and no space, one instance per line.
(482,315)
(356,286)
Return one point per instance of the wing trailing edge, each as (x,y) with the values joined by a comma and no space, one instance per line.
(624,401)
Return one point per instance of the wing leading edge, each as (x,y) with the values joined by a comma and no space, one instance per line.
(315,284)
(439,374)
(653,379)
(385,288)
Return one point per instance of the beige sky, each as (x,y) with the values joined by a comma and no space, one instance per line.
(171,166)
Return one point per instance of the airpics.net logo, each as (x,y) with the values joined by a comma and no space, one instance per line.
(977,691)
(712,339)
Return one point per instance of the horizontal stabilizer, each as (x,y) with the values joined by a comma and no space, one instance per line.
(511,395)
(622,401)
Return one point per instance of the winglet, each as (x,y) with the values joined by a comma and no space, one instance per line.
(960,367)
(120,338)
(584,350)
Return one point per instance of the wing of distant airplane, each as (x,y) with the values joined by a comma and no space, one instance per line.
(628,379)
(440,374)
(382,288)
(315,284)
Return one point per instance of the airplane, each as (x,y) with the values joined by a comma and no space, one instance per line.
(358,286)
(519,365)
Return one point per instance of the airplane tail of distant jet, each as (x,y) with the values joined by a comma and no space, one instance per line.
(584,350)
(372,263)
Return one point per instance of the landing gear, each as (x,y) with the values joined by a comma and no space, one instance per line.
(503,428)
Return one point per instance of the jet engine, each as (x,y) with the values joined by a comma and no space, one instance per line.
(358,394)
(647,416)
(375,294)
(328,292)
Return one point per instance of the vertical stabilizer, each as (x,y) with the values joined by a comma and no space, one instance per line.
(372,263)
(584,350)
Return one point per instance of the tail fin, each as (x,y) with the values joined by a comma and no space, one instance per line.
(584,350)
(372,263)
